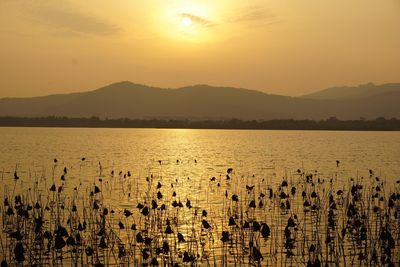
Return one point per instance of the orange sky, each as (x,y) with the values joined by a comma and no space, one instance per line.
(282,47)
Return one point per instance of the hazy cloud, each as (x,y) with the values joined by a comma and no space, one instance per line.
(254,16)
(65,19)
(197,20)
(74,21)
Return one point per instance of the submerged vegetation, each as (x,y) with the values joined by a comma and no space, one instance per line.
(127,219)
(379,124)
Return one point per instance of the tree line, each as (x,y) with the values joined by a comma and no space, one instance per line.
(333,123)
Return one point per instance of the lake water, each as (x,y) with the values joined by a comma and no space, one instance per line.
(249,152)
(184,160)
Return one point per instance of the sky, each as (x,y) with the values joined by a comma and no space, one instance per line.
(287,47)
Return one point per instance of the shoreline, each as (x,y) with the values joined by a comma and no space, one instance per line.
(331,124)
(192,128)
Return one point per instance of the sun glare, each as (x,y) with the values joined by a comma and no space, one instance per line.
(186,21)
(191,21)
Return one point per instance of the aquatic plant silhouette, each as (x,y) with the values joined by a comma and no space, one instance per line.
(253,223)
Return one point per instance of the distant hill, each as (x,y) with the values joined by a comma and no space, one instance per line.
(199,102)
(347,92)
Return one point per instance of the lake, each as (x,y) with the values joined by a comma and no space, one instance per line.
(130,166)
(249,152)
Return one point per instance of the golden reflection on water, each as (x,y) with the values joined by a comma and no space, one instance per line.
(133,166)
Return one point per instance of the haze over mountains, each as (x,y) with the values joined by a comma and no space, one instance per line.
(130,100)
(347,92)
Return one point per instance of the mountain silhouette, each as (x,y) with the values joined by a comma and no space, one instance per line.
(347,92)
(136,101)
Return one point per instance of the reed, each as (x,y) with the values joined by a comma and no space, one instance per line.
(305,218)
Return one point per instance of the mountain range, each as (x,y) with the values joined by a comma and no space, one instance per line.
(136,101)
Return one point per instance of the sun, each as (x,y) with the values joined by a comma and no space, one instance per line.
(189,21)
(186,21)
